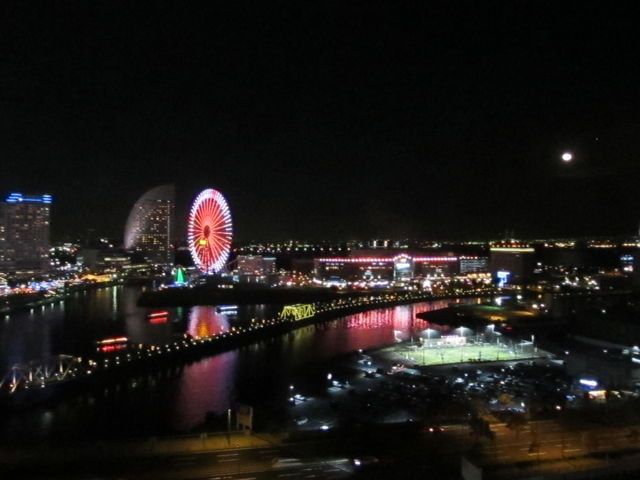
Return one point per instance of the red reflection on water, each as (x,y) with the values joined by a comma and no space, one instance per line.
(208,385)
(205,321)
(373,329)
(205,386)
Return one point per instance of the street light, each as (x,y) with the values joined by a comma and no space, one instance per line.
(396,334)
(428,332)
(492,328)
(461,328)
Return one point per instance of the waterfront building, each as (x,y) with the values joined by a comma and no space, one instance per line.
(255,268)
(110,259)
(25,232)
(150,226)
(389,265)
(511,262)
(474,264)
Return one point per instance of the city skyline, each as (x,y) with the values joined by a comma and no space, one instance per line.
(179,232)
(325,240)
(428,121)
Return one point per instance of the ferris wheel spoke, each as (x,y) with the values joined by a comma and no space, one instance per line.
(220,228)
(215,242)
(197,222)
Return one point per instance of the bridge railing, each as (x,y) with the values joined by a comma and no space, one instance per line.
(56,369)
(298,311)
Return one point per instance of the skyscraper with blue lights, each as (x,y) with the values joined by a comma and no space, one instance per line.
(24,233)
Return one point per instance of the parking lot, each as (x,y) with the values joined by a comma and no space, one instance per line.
(382,389)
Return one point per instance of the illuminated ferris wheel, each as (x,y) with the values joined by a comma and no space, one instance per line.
(209,231)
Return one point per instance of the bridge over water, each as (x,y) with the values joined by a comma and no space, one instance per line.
(57,369)
(64,368)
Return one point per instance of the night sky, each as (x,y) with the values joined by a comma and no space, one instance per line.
(325,120)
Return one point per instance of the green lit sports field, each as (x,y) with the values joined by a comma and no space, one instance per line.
(445,355)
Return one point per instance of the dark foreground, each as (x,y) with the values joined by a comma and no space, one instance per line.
(380,452)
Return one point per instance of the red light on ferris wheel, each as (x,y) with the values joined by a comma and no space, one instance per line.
(209,231)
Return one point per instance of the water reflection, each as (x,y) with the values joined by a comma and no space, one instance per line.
(206,386)
(364,330)
(177,398)
(259,374)
(74,325)
(206,321)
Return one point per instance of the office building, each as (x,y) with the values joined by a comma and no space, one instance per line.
(24,235)
(255,268)
(511,262)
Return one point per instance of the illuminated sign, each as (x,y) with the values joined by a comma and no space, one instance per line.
(20,198)
(503,277)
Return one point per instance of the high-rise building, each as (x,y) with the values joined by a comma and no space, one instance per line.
(24,234)
(511,262)
(150,226)
(4,264)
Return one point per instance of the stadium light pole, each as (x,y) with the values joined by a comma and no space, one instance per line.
(428,330)
(492,328)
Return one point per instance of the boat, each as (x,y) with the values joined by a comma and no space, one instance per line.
(114,344)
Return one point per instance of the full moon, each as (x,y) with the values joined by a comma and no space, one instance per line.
(567,157)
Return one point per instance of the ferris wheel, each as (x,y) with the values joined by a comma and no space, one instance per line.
(209,231)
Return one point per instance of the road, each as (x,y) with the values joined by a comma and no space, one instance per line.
(238,464)
(548,440)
